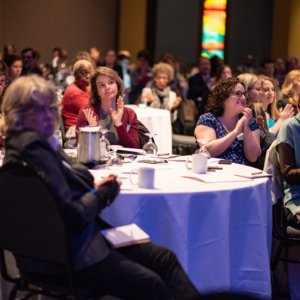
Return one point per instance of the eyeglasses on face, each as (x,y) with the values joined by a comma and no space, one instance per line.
(239,94)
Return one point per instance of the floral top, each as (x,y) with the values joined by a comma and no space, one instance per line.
(236,150)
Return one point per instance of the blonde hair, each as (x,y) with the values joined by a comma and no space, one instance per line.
(21,96)
(272,108)
(163,68)
(248,80)
(95,98)
(82,63)
(288,85)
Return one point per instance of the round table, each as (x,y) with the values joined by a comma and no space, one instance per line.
(220,230)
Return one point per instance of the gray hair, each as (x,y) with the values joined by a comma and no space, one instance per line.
(20,97)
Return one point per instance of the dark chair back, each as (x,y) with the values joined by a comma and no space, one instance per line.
(285,235)
(31,225)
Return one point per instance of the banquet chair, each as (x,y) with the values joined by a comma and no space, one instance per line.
(31,227)
(286,235)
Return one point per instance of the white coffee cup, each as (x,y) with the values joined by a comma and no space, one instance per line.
(197,163)
(144,179)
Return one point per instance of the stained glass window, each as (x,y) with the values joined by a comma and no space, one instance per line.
(213,28)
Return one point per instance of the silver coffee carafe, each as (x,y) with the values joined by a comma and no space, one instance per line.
(88,147)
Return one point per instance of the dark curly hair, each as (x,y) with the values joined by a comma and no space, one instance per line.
(219,94)
(95,98)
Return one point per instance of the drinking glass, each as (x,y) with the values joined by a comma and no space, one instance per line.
(202,149)
(150,148)
(104,144)
(115,162)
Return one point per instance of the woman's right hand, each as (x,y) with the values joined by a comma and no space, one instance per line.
(239,127)
(286,113)
(148,97)
(90,117)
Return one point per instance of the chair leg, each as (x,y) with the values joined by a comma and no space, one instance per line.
(275,260)
(13,292)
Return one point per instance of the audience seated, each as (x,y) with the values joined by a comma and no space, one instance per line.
(8,50)
(15,67)
(78,93)
(144,271)
(223,72)
(228,135)
(179,83)
(107,109)
(280,70)
(200,84)
(110,61)
(95,55)
(247,66)
(288,148)
(158,94)
(274,116)
(252,85)
(30,62)
(140,76)
(3,85)
(290,91)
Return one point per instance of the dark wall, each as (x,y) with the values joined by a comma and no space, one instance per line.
(74,25)
(249,29)
(178,29)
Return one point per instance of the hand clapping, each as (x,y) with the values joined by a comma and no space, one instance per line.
(116,114)
(89,115)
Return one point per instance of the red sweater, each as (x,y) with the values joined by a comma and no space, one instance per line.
(74,98)
(127,132)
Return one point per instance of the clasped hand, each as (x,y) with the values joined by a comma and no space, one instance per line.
(113,183)
(244,121)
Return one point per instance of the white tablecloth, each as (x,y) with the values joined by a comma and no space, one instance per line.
(221,232)
(158,121)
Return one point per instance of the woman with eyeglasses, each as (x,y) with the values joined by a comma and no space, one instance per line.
(77,94)
(228,126)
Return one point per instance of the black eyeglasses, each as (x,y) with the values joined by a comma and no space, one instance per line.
(239,94)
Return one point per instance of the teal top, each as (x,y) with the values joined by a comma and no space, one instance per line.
(271,123)
(289,133)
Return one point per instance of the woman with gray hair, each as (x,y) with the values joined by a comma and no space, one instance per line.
(158,94)
(143,271)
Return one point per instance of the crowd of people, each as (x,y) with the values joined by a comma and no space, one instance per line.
(240,112)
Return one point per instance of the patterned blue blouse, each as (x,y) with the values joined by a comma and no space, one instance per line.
(236,151)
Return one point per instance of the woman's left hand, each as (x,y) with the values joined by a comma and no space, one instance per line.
(116,114)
